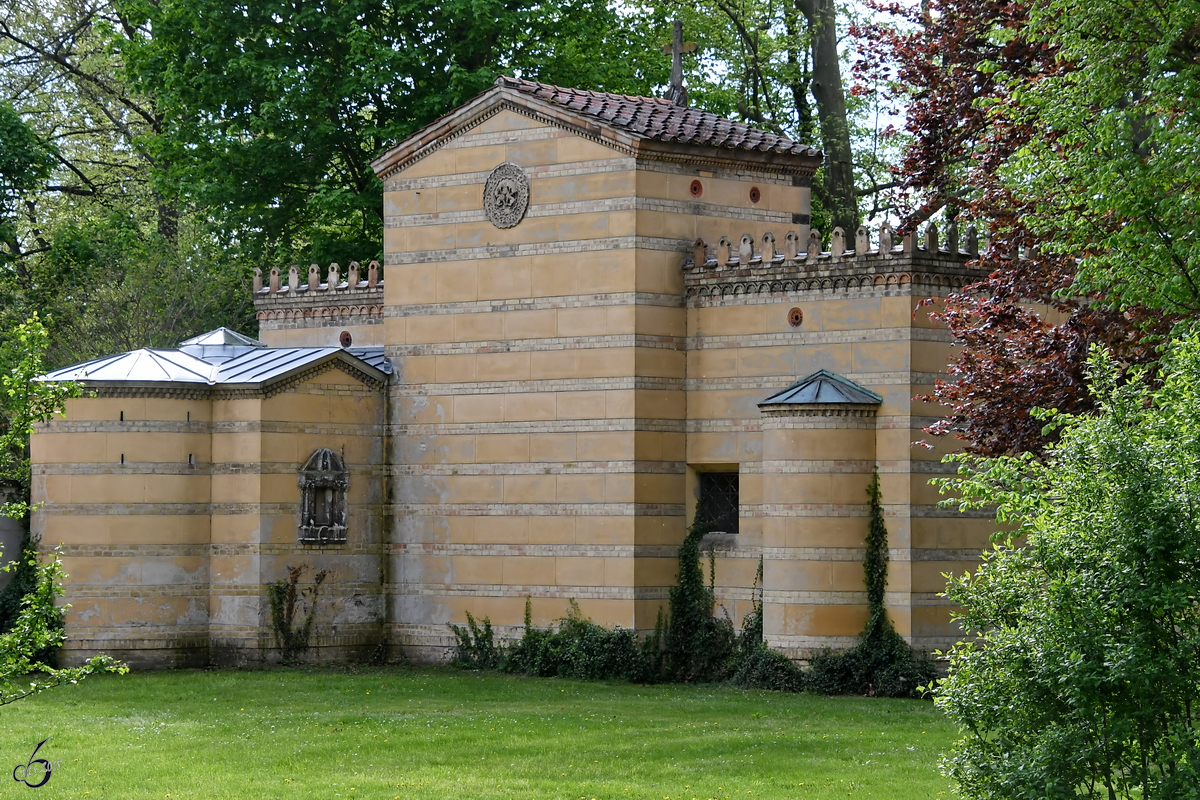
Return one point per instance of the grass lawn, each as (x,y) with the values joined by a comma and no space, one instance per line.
(439,733)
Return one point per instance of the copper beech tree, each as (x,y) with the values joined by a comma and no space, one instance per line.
(1067,128)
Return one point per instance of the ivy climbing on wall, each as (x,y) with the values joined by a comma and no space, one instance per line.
(286,598)
(693,643)
(881,663)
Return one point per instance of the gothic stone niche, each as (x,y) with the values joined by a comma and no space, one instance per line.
(323,484)
(506,195)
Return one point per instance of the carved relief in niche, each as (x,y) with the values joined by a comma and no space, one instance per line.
(506,195)
(323,484)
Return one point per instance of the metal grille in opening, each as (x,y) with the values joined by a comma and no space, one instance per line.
(719,501)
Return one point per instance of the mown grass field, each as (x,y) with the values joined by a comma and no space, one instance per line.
(439,733)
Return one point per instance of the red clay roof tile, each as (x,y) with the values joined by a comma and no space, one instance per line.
(658,118)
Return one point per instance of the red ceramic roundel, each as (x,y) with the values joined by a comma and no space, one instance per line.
(795,317)
(697,188)
(755,194)
(346,339)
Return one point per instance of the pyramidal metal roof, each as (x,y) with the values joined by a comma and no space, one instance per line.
(220,357)
(154,366)
(823,388)
(220,345)
(222,336)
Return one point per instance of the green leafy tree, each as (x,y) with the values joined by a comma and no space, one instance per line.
(1071,126)
(106,261)
(25,164)
(274,110)
(31,637)
(1081,671)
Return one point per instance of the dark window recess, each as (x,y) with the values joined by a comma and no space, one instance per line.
(323,484)
(719,501)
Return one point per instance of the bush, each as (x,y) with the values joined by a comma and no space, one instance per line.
(881,664)
(477,647)
(1082,673)
(579,649)
(692,644)
(764,668)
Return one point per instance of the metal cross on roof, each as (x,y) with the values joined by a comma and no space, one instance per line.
(677,94)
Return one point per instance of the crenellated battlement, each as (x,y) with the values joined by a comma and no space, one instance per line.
(355,280)
(316,303)
(804,264)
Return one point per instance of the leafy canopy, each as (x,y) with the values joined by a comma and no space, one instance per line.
(274,110)
(1082,670)
(1069,128)
(25,164)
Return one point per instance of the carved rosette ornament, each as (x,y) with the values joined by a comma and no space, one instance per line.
(506,195)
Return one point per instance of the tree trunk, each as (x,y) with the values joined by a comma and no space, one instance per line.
(839,191)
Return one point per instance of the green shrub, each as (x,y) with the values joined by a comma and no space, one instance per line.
(692,644)
(579,649)
(764,668)
(881,664)
(477,647)
(24,582)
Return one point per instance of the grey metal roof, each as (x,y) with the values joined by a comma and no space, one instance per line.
(823,388)
(260,366)
(250,366)
(222,336)
(219,345)
(373,356)
(145,365)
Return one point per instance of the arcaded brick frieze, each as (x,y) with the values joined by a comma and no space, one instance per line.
(747,266)
(313,298)
(740,175)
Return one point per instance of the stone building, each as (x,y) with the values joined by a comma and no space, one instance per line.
(599,312)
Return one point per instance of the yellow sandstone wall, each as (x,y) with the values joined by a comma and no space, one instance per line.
(804,472)
(168,559)
(538,406)
(134,535)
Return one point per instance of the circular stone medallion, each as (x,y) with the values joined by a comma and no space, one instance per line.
(506,195)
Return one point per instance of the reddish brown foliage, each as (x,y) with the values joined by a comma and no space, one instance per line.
(1023,346)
